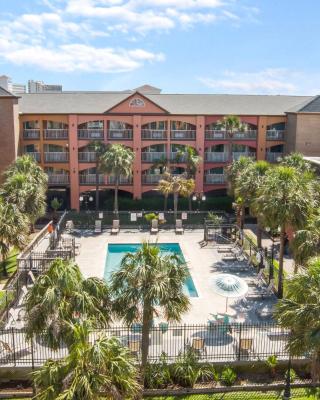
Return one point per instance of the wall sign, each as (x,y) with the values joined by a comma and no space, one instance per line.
(137,102)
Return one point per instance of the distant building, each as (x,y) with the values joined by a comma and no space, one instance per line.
(18,88)
(15,88)
(41,87)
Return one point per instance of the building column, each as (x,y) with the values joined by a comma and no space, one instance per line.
(262,138)
(73,162)
(137,172)
(200,136)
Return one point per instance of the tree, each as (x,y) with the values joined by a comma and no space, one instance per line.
(146,282)
(99,148)
(62,295)
(90,370)
(231,124)
(299,311)
(192,161)
(55,205)
(117,161)
(297,161)
(285,200)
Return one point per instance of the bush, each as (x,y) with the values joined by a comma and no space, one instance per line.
(293,375)
(151,216)
(157,376)
(272,362)
(228,376)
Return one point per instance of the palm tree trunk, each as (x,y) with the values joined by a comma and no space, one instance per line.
(315,367)
(175,205)
(97,187)
(4,264)
(242,215)
(146,321)
(259,234)
(116,189)
(190,203)
(281,255)
(165,205)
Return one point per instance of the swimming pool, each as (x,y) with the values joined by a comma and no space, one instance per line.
(116,252)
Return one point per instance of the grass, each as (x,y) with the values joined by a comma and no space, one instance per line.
(10,264)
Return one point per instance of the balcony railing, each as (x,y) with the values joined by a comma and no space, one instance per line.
(90,179)
(247,135)
(215,156)
(273,156)
(215,179)
(237,154)
(215,135)
(58,179)
(31,134)
(275,135)
(55,134)
(153,134)
(120,134)
(148,156)
(91,134)
(35,155)
(178,157)
(56,156)
(151,179)
(123,180)
(87,156)
(223,135)
(178,134)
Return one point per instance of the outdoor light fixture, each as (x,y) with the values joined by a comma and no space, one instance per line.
(203,198)
(81,198)
(194,197)
(90,198)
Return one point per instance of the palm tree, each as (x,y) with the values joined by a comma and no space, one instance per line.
(89,370)
(99,148)
(62,295)
(297,161)
(117,161)
(300,312)
(192,161)
(146,282)
(231,124)
(285,199)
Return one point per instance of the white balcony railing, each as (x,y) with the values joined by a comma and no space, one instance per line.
(215,135)
(31,134)
(87,156)
(151,179)
(55,134)
(35,155)
(215,156)
(178,134)
(247,135)
(274,134)
(215,179)
(123,180)
(90,134)
(148,156)
(237,154)
(120,134)
(153,134)
(273,156)
(58,179)
(178,157)
(90,179)
(56,156)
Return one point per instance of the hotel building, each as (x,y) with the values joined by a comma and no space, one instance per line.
(57,129)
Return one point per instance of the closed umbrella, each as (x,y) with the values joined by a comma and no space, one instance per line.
(229,286)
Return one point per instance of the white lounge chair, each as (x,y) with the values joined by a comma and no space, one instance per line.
(69,226)
(179,227)
(115,227)
(97,226)
(154,226)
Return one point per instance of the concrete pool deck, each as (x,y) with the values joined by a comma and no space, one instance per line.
(203,264)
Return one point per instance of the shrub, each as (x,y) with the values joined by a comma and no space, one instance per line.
(186,371)
(228,376)
(293,375)
(151,216)
(272,362)
(157,375)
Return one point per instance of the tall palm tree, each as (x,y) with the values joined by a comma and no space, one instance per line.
(299,311)
(192,161)
(99,148)
(231,124)
(297,161)
(117,161)
(146,282)
(62,295)
(285,199)
(89,370)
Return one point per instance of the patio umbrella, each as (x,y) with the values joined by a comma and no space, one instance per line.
(229,286)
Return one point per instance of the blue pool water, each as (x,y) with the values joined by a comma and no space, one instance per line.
(116,252)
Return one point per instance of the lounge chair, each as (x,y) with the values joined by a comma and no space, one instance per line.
(246,347)
(179,227)
(69,226)
(154,226)
(134,346)
(97,226)
(115,227)
(198,345)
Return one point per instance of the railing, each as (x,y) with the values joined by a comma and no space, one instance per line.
(61,156)
(215,179)
(123,180)
(35,155)
(147,156)
(215,156)
(31,134)
(58,179)
(90,179)
(252,134)
(178,134)
(90,134)
(274,134)
(151,179)
(153,134)
(237,154)
(215,135)
(55,134)
(87,156)
(273,157)
(178,157)
(122,134)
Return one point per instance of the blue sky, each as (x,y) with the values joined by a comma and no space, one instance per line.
(195,46)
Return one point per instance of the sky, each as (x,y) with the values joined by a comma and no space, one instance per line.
(180,46)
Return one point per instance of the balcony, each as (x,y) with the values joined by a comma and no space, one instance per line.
(87,156)
(58,179)
(90,179)
(215,179)
(177,157)
(215,135)
(153,156)
(215,156)
(183,135)
(273,156)
(248,135)
(55,134)
(35,155)
(236,155)
(56,157)
(120,134)
(223,135)
(153,134)
(31,134)
(90,134)
(275,135)
(151,179)
(123,180)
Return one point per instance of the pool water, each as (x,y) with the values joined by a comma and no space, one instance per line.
(116,252)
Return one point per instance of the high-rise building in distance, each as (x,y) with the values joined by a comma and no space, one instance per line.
(41,87)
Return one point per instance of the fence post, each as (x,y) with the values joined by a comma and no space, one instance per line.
(32,355)
(14,347)
(184,338)
(239,346)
